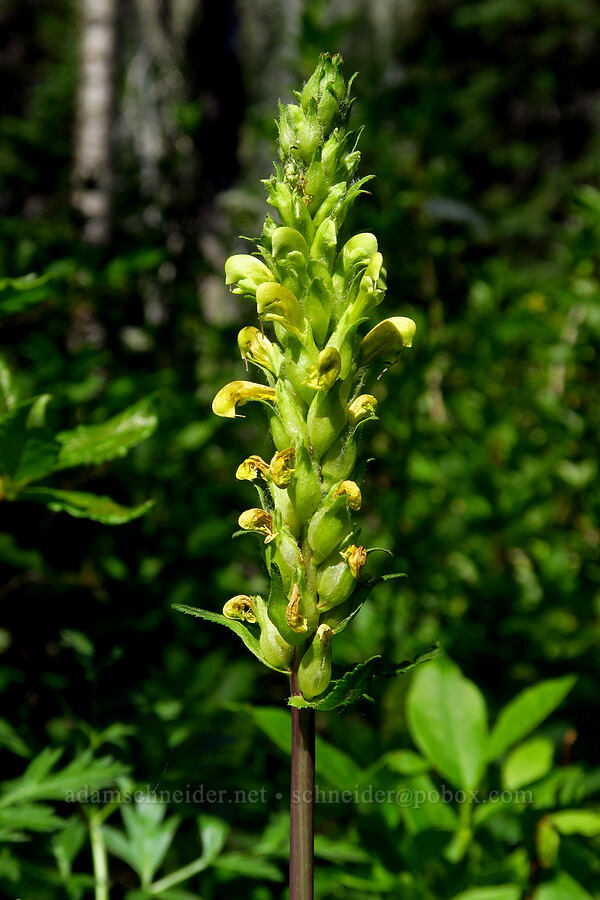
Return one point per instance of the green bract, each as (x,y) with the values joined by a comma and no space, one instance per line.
(313,296)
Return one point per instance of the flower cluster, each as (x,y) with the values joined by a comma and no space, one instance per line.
(314,296)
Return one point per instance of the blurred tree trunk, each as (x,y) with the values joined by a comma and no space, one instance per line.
(92,168)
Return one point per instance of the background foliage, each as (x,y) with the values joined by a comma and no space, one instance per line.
(482,124)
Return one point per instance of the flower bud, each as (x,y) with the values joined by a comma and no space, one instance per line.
(237,393)
(285,240)
(247,272)
(387,339)
(328,527)
(287,556)
(325,241)
(317,309)
(258,520)
(257,348)
(276,651)
(357,253)
(240,607)
(351,491)
(281,468)
(305,490)
(251,468)
(325,373)
(362,407)
(335,582)
(340,459)
(275,303)
(314,671)
(326,419)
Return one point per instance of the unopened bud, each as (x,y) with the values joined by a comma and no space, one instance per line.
(328,527)
(325,373)
(314,671)
(240,607)
(237,393)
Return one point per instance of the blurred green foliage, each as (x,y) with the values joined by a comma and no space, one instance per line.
(482,124)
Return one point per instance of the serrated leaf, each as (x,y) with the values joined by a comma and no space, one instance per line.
(11,740)
(82,505)
(353,685)
(93,444)
(66,844)
(148,837)
(29,817)
(39,782)
(446,716)
(248,633)
(523,714)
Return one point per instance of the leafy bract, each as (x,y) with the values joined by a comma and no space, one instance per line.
(83,505)
(355,682)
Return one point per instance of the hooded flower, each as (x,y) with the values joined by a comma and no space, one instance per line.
(237,393)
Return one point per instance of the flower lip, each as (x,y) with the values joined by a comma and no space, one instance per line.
(240,607)
(237,393)
(356,557)
(258,520)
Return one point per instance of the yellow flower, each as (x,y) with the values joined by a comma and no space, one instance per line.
(325,373)
(247,272)
(240,607)
(275,303)
(352,492)
(356,557)
(258,520)
(257,348)
(361,408)
(237,393)
(250,469)
(387,339)
(281,467)
(294,618)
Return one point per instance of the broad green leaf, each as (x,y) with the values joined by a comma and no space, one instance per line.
(547,842)
(355,683)
(423,806)
(447,720)
(527,762)
(86,506)
(249,634)
(93,444)
(576,821)
(11,740)
(563,887)
(526,712)
(498,892)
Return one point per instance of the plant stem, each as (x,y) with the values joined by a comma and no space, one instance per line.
(99,857)
(302,800)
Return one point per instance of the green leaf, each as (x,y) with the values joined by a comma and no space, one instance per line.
(86,506)
(18,294)
(576,821)
(93,444)
(148,839)
(527,763)
(39,782)
(352,686)
(9,397)
(563,887)
(213,834)
(66,844)
(498,892)
(11,740)
(27,452)
(243,864)
(29,817)
(248,633)
(547,842)
(446,716)
(526,712)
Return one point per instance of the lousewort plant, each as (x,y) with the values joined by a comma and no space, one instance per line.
(313,295)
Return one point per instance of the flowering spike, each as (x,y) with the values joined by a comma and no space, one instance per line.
(314,292)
